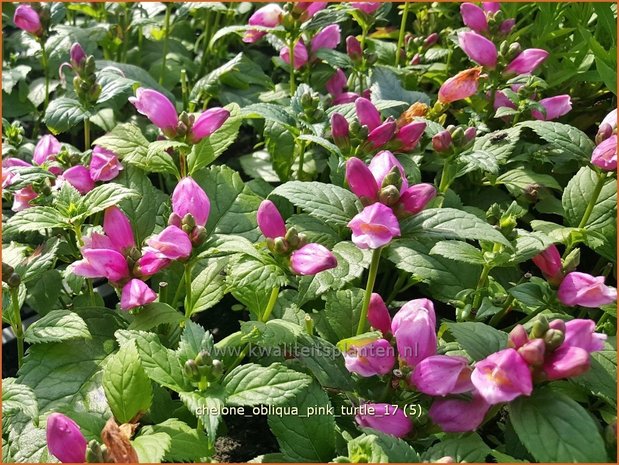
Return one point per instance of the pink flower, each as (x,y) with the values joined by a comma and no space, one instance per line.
(385,418)
(156,107)
(102,263)
(555,107)
(118,229)
(189,198)
(502,376)
(345,97)
(460,86)
(374,227)
(439,375)
(149,264)
(312,259)
(491,7)
(22,198)
(370,358)
(566,362)
(533,352)
(8,177)
(65,440)
(414,330)
(79,177)
(366,7)
(360,179)
(549,261)
(501,100)
(474,17)
(308,9)
(336,83)
(104,164)
(610,119)
(353,48)
(172,243)
(442,141)
(581,333)
(208,122)
(382,134)
(381,165)
(300,55)
(77,54)
(605,154)
(506,26)
(135,294)
(270,221)
(268,16)
(527,61)
(517,337)
(329,37)
(416,198)
(46,149)
(12,162)
(478,48)
(585,290)
(367,114)
(410,134)
(378,314)
(27,19)
(459,415)
(339,128)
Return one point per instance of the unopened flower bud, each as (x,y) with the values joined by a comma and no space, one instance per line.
(218,368)
(280,246)
(95,452)
(604,132)
(198,236)
(431,40)
(572,261)
(539,328)
(191,370)
(393,178)
(416,59)
(189,220)
(204,359)
(292,237)
(389,195)
(441,142)
(557,324)
(553,339)
(458,136)
(513,51)
(517,337)
(470,133)
(533,352)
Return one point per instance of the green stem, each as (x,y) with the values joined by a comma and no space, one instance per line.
(396,287)
(184,88)
(364,33)
(165,41)
(445,182)
(16,325)
(483,277)
(398,53)
(270,305)
(91,292)
(205,42)
(495,320)
(44,62)
(368,290)
(603,319)
(86,134)
(291,46)
(301,160)
(188,297)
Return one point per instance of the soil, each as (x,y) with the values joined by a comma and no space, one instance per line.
(246,439)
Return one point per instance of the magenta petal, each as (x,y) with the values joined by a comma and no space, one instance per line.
(461,86)
(46,149)
(478,48)
(65,440)
(189,198)
(458,415)
(378,314)
(208,122)
(312,259)
(439,375)
(118,229)
(329,38)
(300,55)
(270,220)
(149,264)
(104,164)
(416,198)
(605,154)
(474,17)
(372,359)
(336,83)
(381,165)
(171,243)
(502,376)
(555,107)
(566,362)
(27,19)
(102,263)
(410,134)
(360,179)
(386,419)
(367,114)
(374,227)
(527,61)
(585,290)
(135,294)
(156,107)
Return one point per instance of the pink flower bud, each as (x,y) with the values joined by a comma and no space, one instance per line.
(171,243)
(442,141)
(558,325)
(77,54)
(46,149)
(506,26)
(549,261)
(378,314)
(460,86)
(353,48)
(414,330)
(605,154)
(431,40)
(439,375)
(104,164)
(27,19)
(381,165)
(533,352)
(329,38)
(118,229)
(149,264)
(610,119)
(79,177)
(22,198)
(604,132)
(300,55)
(501,100)
(555,107)
(12,162)
(527,61)
(367,114)
(135,294)
(336,83)
(208,122)
(309,9)
(474,17)
(345,97)
(382,134)
(374,227)
(581,333)
(517,337)
(416,59)
(385,418)
(8,177)
(470,133)
(360,179)
(156,107)
(339,128)
(459,415)
(270,221)
(491,7)
(478,48)
(585,290)
(65,440)
(502,376)
(268,16)
(410,134)
(366,7)
(102,263)
(416,198)
(312,259)
(370,359)
(189,198)
(566,362)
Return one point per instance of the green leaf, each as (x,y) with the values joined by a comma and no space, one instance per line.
(330,203)
(104,196)
(57,326)
(193,340)
(554,428)
(152,448)
(478,339)
(310,435)
(500,144)
(64,113)
(253,384)
(273,333)
(155,314)
(324,143)
(519,179)
(376,447)
(186,443)
(601,377)
(463,448)
(259,275)
(271,112)
(577,195)
(280,145)
(208,286)
(35,219)
(113,85)
(564,139)
(127,388)
(449,223)
(478,160)
(459,251)
(340,318)
(325,361)
(127,141)
(201,403)
(210,148)
(28,443)
(18,398)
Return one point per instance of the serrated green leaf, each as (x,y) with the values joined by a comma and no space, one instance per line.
(601,378)
(57,326)
(569,141)
(104,196)
(155,314)
(152,448)
(466,448)
(18,398)
(208,286)
(478,339)
(63,113)
(187,443)
(201,404)
(127,141)
(459,251)
(35,219)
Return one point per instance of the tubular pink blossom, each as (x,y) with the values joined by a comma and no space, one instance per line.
(414,330)
(585,290)
(374,227)
(439,375)
(339,128)
(527,61)
(360,179)
(189,198)
(459,415)
(268,16)
(581,333)
(566,362)
(79,177)
(378,314)
(12,162)
(491,7)
(208,122)
(22,198)
(442,141)
(533,352)
(366,7)
(135,294)
(478,48)
(410,134)
(65,440)
(549,261)
(555,107)
(502,376)
(506,26)
(27,19)
(337,83)
(171,243)
(501,100)
(416,198)
(474,17)
(104,164)
(410,310)
(46,149)
(149,264)
(353,48)
(300,55)
(461,86)
(309,9)
(610,119)
(382,134)
(381,165)
(605,154)
(102,263)
(118,229)
(156,107)
(345,97)
(329,38)
(517,337)
(386,419)
(270,221)
(367,114)
(312,259)
(370,359)
(77,54)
